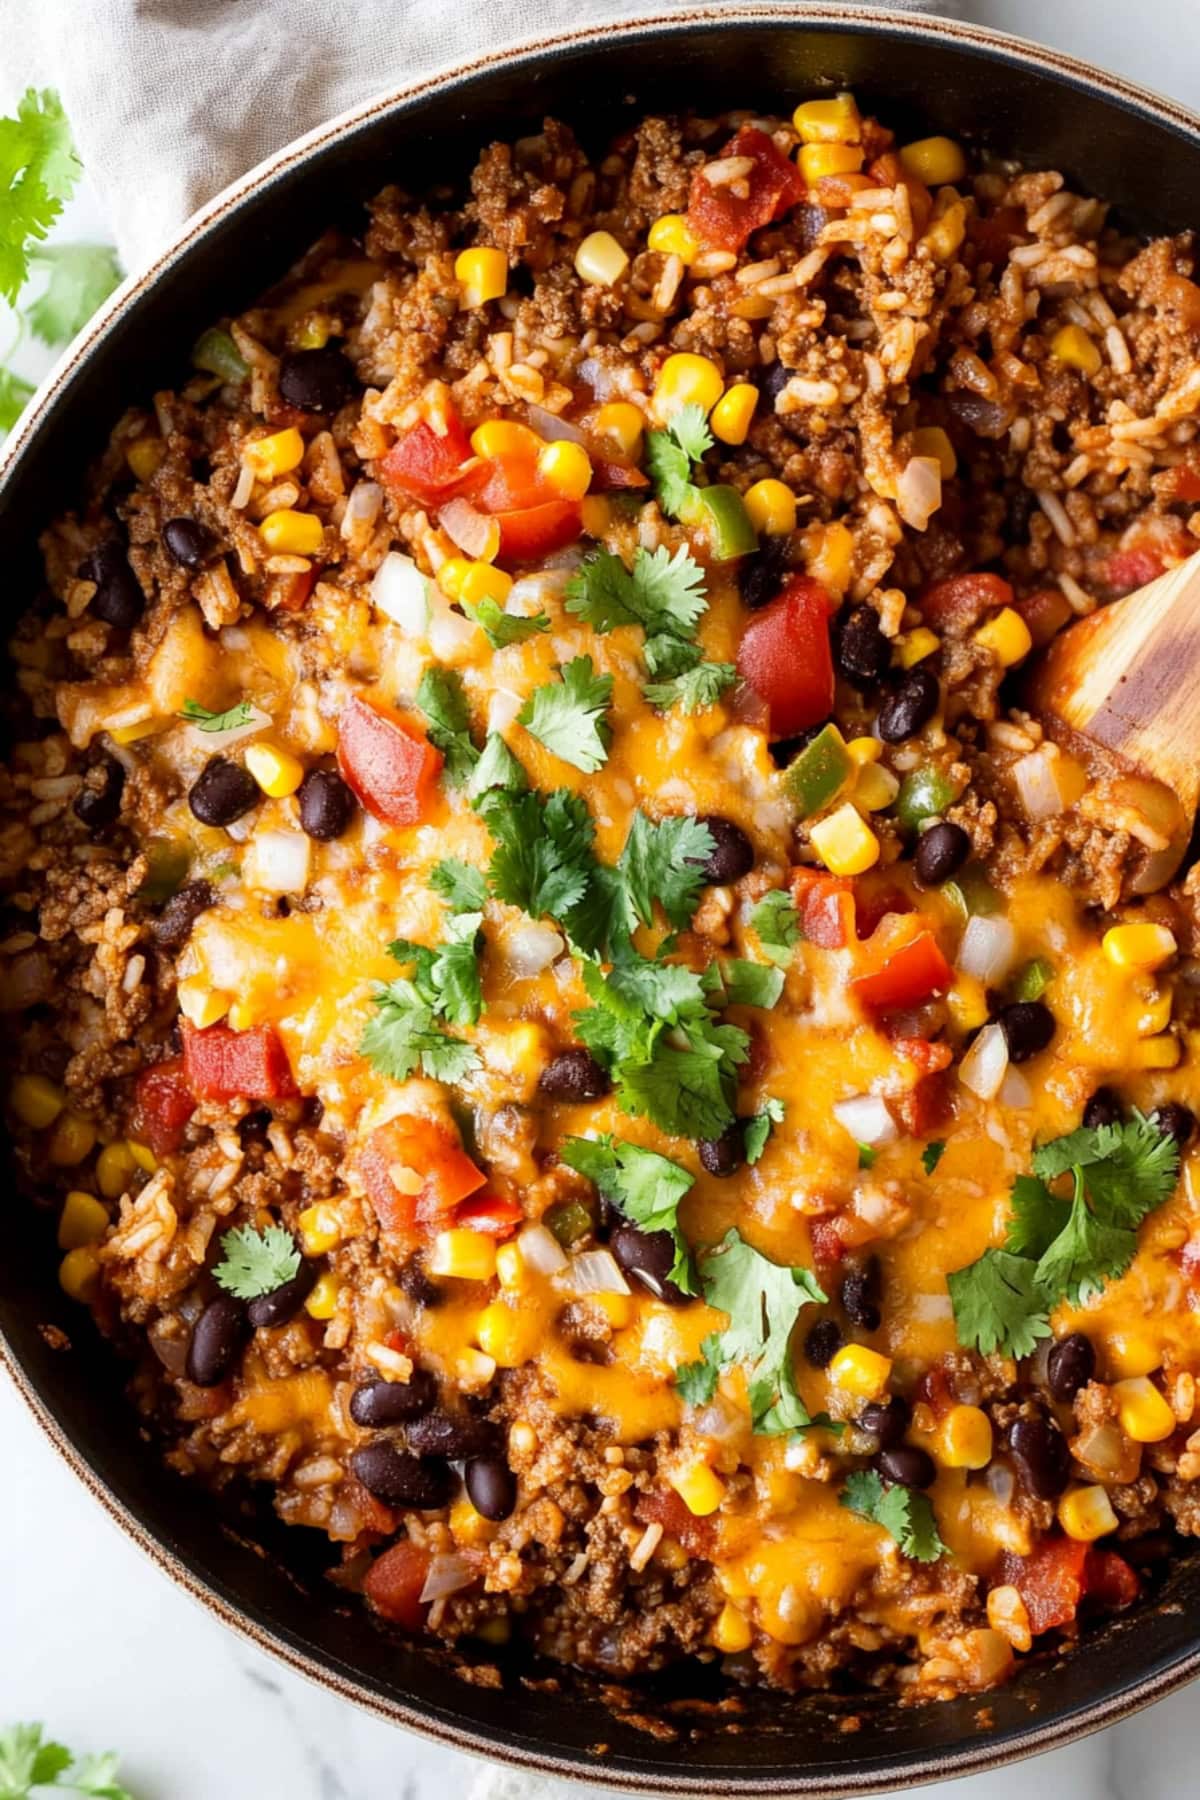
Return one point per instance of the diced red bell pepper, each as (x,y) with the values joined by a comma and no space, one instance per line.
(388,763)
(531,532)
(436,1168)
(1045,611)
(785,657)
(163,1104)
(428,466)
(1050,1580)
(490,1214)
(222,1064)
(825,905)
(1109,1580)
(958,602)
(394,1582)
(724,219)
(663,1506)
(909,974)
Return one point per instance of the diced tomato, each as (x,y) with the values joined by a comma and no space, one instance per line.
(435,1165)
(291,594)
(662,1506)
(1045,611)
(724,219)
(1109,1580)
(609,475)
(222,1064)
(163,1104)
(935,1390)
(927,1105)
(428,466)
(872,906)
(1050,1580)
(828,1244)
(785,657)
(959,601)
(1126,570)
(488,1213)
(388,762)
(929,1058)
(825,904)
(1183,482)
(531,532)
(906,975)
(1146,551)
(394,1582)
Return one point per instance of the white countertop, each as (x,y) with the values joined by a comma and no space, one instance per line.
(110,1654)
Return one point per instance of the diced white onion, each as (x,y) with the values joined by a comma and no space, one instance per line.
(221,740)
(866,1118)
(448,1573)
(1015,1091)
(1037,786)
(548,425)
(930,1307)
(401,593)
(919,491)
(450,634)
(988,949)
(985,1065)
(362,508)
(531,594)
(720,1419)
(541,1250)
(503,708)
(596,1272)
(471,530)
(531,947)
(277,862)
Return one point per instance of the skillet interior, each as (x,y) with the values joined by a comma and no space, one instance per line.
(922,77)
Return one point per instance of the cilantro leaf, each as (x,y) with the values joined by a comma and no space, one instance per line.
(504,628)
(1037,1218)
(542,859)
(203,720)
(998,1304)
(406,1032)
(643,1185)
(30,1766)
(689,428)
(758,1128)
(1084,1253)
(568,716)
(463,888)
(442,698)
(697,1382)
(15,395)
(867,1156)
(497,768)
(670,455)
(38,171)
(694,689)
(82,276)
(665,862)
(906,1515)
(736,982)
(1129,1168)
(932,1155)
(682,1091)
(256,1262)
(777,924)
(447,978)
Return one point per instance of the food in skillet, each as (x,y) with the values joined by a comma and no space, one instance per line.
(555,992)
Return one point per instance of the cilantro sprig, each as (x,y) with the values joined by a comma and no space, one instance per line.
(1064,1249)
(641,1184)
(902,1512)
(664,594)
(670,455)
(442,698)
(759,1127)
(407,1031)
(777,925)
(504,628)
(254,1263)
(31,1765)
(235,716)
(569,716)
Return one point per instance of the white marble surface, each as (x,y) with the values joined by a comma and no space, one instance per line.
(101,1646)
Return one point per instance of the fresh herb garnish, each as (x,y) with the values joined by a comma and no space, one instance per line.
(735,982)
(568,716)
(664,594)
(463,888)
(504,628)
(543,857)
(758,1127)
(670,455)
(644,1186)
(777,924)
(694,689)
(932,1155)
(31,1766)
(203,720)
(406,1032)
(867,1155)
(497,768)
(256,1262)
(81,277)
(442,698)
(902,1512)
(664,862)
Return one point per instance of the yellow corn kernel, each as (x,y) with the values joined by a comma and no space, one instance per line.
(482,581)
(466,1255)
(468,1526)
(844,842)
(934,160)
(83,1220)
(133,734)
(473,1369)
(291,533)
(1141,946)
(864,750)
(968,1004)
(673,236)
(200,1004)
(313,334)
(732,1631)
(1144,1414)
(1007,636)
(144,456)
(858,1370)
(79,1273)
(36,1100)
(931,440)
(510,1267)
(1008,1614)
(834,121)
(595,514)
(731,416)
(115,1170)
(699,1487)
(790,1614)
(1155,1015)
(451,576)
(1162,1052)
(772,507)
(322,1302)
(1131,1353)
(1073,346)
(143,1156)
(482,274)
(73,1138)
(600,260)
(947,229)
(830,558)
(914,646)
(319,1229)
(875,788)
(567,468)
(502,438)
(241,1015)
(829,159)
(687,380)
(623,424)
(1085,1513)
(506,1334)
(272,456)
(277,772)
(965,1440)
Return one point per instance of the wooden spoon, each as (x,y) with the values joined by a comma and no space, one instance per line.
(1125,682)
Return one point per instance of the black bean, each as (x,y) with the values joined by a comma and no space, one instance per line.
(649,1257)
(905,1464)
(451,1434)
(253,1127)
(1041,1453)
(1104,1108)
(118,599)
(941,852)
(573,1075)
(173,926)
(911,704)
(986,418)
(1174,1121)
(326,804)
(732,854)
(317,381)
(399,1479)
(773,379)
(887,1421)
(376,1403)
(189,542)
(860,1295)
(862,653)
(491,1486)
(761,575)
(217,1338)
(724,1155)
(418,1285)
(823,1342)
(222,792)
(1070,1365)
(1028,1026)
(284,1302)
(98,802)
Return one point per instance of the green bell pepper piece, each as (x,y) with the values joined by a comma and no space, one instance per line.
(819,772)
(721,513)
(216,353)
(569,1222)
(924,793)
(167,865)
(972,894)
(1031,982)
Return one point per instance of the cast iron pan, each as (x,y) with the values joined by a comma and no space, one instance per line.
(1141,153)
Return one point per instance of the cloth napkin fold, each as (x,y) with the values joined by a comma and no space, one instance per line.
(170,100)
